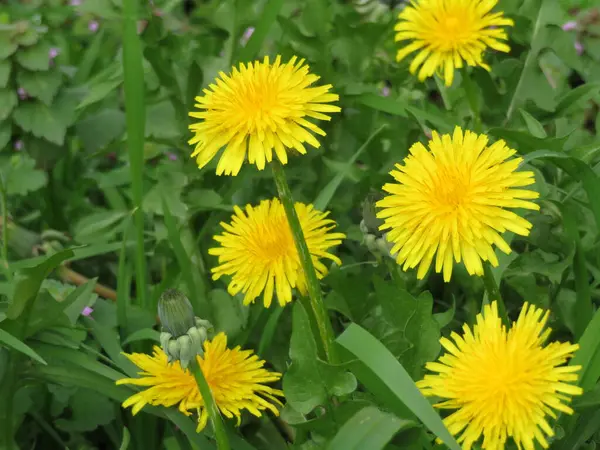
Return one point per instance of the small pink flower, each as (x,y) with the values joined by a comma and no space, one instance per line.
(579,47)
(93,26)
(172,156)
(22,93)
(53,52)
(246,36)
(75,2)
(385,91)
(18,145)
(570,25)
(87,311)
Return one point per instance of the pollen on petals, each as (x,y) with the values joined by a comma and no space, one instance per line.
(257,250)
(236,377)
(503,383)
(260,111)
(447,34)
(451,202)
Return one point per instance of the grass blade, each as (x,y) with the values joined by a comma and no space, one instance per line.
(374,355)
(10,341)
(133,74)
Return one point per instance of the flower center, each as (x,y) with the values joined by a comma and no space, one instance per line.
(274,241)
(454,31)
(451,191)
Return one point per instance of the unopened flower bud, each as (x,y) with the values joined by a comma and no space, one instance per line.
(175,312)
(184,334)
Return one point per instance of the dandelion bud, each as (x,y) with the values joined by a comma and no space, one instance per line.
(175,312)
(184,334)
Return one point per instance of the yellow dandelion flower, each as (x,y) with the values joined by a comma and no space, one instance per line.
(236,378)
(503,383)
(446,33)
(451,200)
(258,109)
(258,250)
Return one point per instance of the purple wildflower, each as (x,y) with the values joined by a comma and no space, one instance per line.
(385,91)
(18,145)
(75,2)
(53,52)
(93,26)
(172,156)
(570,25)
(579,47)
(22,93)
(87,311)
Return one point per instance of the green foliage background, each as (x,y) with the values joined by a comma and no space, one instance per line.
(67,150)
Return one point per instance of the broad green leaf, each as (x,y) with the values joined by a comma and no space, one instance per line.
(99,91)
(8,101)
(5,67)
(43,121)
(5,133)
(228,312)
(168,189)
(589,399)
(42,85)
(88,411)
(572,98)
(161,121)
(7,45)
(445,318)
(528,143)
(101,225)
(374,355)
(10,341)
(30,280)
(309,381)
(21,176)
(35,57)
(412,320)
(268,332)
(98,130)
(370,429)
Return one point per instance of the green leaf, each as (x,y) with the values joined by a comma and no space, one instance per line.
(374,355)
(99,226)
(48,122)
(30,280)
(266,20)
(5,133)
(98,130)
(309,381)
(325,196)
(89,410)
(12,342)
(573,97)
(5,67)
(21,176)
(126,439)
(42,85)
(99,91)
(588,355)
(534,127)
(145,334)
(385,104)
(35,57)
(370,429)
(8,100)
(230,315)
(412,319)
(589,399)
(528,143)
(7,45)
(78,299)
(161,121)
(168,189)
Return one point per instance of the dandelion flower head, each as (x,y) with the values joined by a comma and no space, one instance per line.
(258,251)
(503,384)
(450,202)
(236,378)
(447,33)
(259,109)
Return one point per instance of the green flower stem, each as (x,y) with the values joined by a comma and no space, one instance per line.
(314,289)
(211,406)
(493,292)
